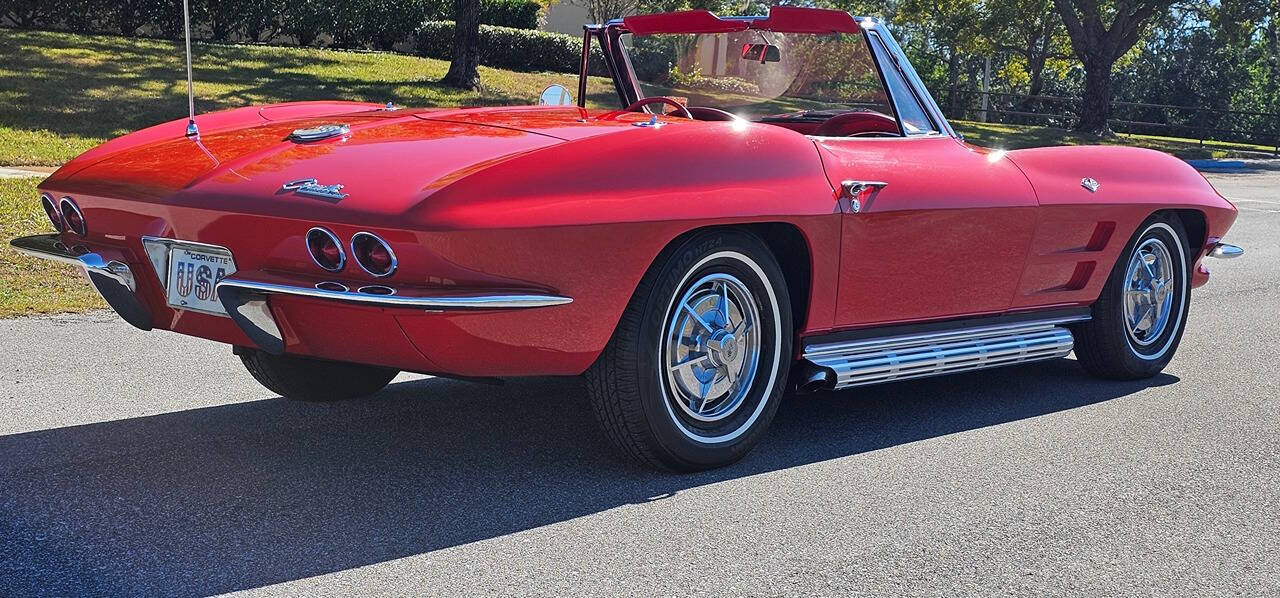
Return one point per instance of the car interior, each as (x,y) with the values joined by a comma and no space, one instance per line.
(819,85)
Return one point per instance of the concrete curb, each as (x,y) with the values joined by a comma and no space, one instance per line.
(18,173)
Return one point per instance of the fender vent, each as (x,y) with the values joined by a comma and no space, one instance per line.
(876,360)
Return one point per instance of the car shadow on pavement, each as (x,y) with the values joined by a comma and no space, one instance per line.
(266,491)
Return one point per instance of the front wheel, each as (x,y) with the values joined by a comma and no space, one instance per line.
(307,379)
(1139,318)
(696,368)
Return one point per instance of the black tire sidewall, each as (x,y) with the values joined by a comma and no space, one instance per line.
(1162,348)
(734,253)
(1109,321)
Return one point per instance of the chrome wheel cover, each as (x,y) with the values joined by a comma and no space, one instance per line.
(1150,285)
(712,348)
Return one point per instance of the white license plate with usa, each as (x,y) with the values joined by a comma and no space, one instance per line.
(194,273)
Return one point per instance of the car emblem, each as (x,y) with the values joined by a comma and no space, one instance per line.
(1090,184)
(319,132)
(313,188)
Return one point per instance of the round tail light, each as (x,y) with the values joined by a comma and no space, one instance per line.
(325,249)
(72,217)
(51,210)
(373,254)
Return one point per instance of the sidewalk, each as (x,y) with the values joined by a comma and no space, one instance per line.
(26,172)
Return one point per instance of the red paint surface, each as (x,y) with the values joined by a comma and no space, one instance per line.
(579,203)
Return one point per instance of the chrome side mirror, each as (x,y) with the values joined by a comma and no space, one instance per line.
(555,95)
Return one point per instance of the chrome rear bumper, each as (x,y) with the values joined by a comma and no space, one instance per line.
(246,300)
(112,279)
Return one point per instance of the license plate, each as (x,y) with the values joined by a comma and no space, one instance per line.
(193,277)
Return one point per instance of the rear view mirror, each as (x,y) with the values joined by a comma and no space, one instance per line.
(762,52)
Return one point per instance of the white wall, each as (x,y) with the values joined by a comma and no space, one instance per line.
(565,17)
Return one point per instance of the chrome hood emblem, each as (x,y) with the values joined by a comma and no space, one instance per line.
(319,132)
(1090,184)
(313,188)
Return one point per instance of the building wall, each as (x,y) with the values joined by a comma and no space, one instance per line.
(565,17)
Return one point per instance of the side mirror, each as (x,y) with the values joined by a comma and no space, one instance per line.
(762,52)
(556,95)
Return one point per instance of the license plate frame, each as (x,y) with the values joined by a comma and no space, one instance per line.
(181,287)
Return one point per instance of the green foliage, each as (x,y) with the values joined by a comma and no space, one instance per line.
(510,48)
(695,80)
(379,24)
(519,14)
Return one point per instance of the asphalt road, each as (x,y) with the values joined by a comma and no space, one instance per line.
(150,463)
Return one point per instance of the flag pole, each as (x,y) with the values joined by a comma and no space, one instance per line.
(192,129)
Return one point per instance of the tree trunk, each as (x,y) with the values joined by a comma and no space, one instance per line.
(463,70)
(1095,109)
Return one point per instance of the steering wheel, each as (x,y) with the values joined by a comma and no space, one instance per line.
(642,102)
(714,114)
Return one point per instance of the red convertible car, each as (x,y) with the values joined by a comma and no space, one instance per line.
(776,202)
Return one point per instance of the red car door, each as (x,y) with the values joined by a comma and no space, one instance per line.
(942,230)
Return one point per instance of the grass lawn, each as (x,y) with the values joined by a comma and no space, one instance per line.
(29,285)
(61,94)
(1017,137)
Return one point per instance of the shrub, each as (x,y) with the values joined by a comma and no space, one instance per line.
(520,14)
(510,48)
(695,80)
(378,24)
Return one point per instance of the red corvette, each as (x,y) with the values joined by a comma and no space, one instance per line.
(776,203)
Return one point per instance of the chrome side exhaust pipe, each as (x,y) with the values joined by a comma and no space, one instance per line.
(812,378)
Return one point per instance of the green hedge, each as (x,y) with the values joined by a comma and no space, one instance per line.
(513,49)
(349,23)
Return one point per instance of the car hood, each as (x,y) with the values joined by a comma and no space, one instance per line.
(390,161)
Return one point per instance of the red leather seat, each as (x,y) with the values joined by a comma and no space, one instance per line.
(856,123)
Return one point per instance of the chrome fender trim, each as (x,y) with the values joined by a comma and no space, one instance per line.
(111,278)
(402,298)
(903,357)
(246,303)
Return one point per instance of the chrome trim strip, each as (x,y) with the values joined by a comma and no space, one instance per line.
(356,257)
(1226,251)
(876,360)
(488,301)
(332,283)
(913,78)
(50,208)
(380,290)
(66,224)
(342,253)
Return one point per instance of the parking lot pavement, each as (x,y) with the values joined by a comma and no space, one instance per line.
(149,463)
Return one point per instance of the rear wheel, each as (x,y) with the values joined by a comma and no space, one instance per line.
(306,379)
(1139,318)
(696,368)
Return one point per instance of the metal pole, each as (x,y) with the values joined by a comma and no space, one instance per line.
(986,88)
(192,129)
(582,70)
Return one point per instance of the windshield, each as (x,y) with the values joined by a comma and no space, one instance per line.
(760,75)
